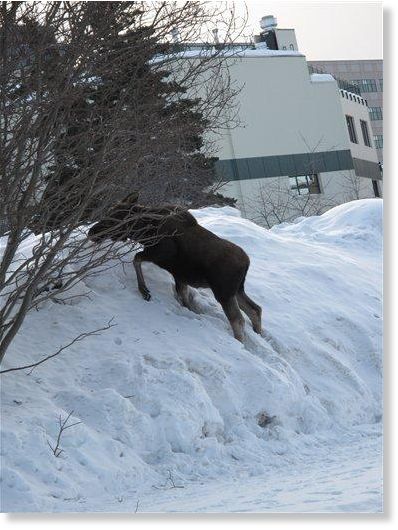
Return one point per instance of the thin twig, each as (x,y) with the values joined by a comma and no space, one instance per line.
(62,427)
(79,338)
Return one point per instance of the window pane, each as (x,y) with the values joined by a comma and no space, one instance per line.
(367,85)
(376,113)
(305,184)
(302,181)
(314,184)
(293,183)
(378,140)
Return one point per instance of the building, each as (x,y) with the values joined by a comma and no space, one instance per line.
(368,76)
(304,134)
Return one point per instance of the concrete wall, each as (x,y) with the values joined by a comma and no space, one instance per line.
(282,111)
(288,117)
(354,71)
(286,39)
(286,111)
(360,112)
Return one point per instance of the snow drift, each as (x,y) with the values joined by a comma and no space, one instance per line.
(170,396)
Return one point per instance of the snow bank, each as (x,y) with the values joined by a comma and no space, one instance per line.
(358,223)
(169,393)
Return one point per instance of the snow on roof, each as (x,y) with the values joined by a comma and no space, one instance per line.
(322,78)
(231,51)
(265,52)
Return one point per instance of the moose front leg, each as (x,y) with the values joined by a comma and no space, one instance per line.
(138,259)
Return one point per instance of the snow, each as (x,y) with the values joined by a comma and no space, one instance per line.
(322,78)
(176,415)
(232,51)
(265,52)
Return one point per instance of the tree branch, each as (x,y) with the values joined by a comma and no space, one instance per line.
(79,338)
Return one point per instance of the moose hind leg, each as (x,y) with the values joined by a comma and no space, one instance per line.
(183,295)
(138,259)
(235,317)
(252,310)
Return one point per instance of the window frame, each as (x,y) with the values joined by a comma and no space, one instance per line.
(367,85)
(365,133)
(378,141)
(352,133)
(375,113)
(313,188)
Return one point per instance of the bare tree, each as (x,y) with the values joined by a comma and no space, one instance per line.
(91,109)
(352,186)
(277,202)
(63,425)
(283,199)
(78,338)
(169,483)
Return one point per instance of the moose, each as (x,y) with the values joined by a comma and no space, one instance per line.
(173,240)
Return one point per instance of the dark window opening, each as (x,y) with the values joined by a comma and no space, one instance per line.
(365,133)
(376,188)
(351,129)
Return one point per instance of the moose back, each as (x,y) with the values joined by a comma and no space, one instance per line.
(195,257)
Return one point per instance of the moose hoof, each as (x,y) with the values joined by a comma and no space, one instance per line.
(146,295)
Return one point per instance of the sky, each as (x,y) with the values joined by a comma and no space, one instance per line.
(326,30)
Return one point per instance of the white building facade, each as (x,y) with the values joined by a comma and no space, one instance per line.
(368,76)
(301,137)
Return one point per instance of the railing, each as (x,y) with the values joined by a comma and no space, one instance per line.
(342,83)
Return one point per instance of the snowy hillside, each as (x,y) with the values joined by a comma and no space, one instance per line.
(177,415)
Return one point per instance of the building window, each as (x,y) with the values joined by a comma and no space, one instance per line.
(305,184)
(378,140)
(376,188)
(366,85)
(365,133)
(381,85)
(351,129)
(376,113)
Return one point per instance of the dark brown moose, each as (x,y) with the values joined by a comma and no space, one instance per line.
(194,256)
